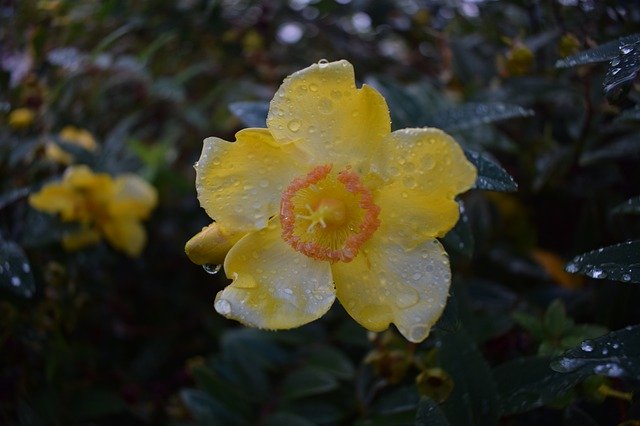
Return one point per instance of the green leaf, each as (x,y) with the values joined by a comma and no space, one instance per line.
(616,354)
(491,176)
(430,414)
(474,400)
(555,319)
(602,53)
(252,114)
(473,114)
(15,270)
(460,238)
(631,206)
(282,418)
(332,361)
(530,323)
(622,149)
(12,196)
(527,383)
(308,381)
(620,262)
(623,70)
(205,408)
(225,392)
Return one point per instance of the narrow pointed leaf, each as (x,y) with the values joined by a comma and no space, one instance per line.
(620,262)
(602,53)
(631,206)
(474,114)
(15,270)
(623,71)
(491,175)
(616,354)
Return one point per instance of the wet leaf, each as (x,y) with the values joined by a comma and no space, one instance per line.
(474,400)
(623,70)
(620,262)
(430,414)
(460,238)
(527,383)
(616,354)
(602,53)
(474,114)
(15,270)
(252,114)
(203,407)
(491,175)
(631,206)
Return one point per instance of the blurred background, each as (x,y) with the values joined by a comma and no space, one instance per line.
(542,94)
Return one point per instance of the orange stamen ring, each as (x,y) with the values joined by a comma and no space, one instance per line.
(331,235)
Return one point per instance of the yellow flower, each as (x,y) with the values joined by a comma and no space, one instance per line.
(327,202)
(105,207)
(21,118)
(72,135)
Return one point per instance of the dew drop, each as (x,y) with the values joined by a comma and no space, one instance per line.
(586,346)
(211,269)
(313,87)
(626,278)
(409,182)
(222,306)
(15,281)
(615,71)
(598,274)
(325,106)
(294,125)
(572,268)
(626,49)
(322,63)
(615,62)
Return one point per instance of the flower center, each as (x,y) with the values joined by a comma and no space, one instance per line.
(328,216)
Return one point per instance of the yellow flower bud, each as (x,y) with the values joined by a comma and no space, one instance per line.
(210,245)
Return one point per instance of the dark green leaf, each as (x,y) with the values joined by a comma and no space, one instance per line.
(555,319)
(632,114)
(225,392)
(623,70)
(15,270)
(252,114)
(308,381)
(616,354)
(620,262)
(530,323)
(631,206)
(474,114)
(621,149)
(490,175)
(399,400)
(12,196)
(474,400)
(205,408)
(527,383)
(460,238)
(282,418)
(331,361)
(318,411)
(430,414)
(602,53)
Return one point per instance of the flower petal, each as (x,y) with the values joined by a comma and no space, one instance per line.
(126,234)
(239,184)
(274,286)
(56,198)
(335,122)
(80,239)
(210,246)
(410,217)
(428,160)
(133,197)
(388,282)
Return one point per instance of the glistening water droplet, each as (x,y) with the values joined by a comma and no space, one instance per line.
(222,306)
(211,269)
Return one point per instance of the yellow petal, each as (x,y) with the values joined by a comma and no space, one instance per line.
(132,196)
(80,239)
(335,122)
(239,184)
(57,198)
(54,153)
(126,235)
(388,282)
(79,137)
(274,286)
(210,246)
(428,160)
(100,185)
(410,216)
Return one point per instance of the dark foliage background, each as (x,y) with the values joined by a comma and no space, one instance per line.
(543,95)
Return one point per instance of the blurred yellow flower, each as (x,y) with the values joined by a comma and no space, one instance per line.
(327,202)
(104,206)
(21,118)
(72,135)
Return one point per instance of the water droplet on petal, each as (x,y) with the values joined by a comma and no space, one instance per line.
(407,299)
(323,63)
(222,306)
(211,269)
(313,87)
(294,125)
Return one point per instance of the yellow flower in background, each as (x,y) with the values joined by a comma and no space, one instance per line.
(72,135)
(327,202)
(106,207)
(21,118)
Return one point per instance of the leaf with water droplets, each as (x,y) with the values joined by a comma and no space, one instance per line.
(602,53)
(491,175)
(527,383)
(474,399)
(616,354)
(623,71)
(473,114)
(430,414)
(620,262)
(252,114)
(15,270)
(631,206)
(460,238)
